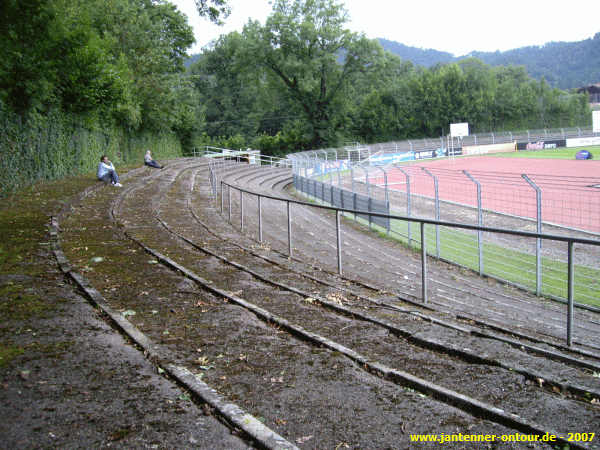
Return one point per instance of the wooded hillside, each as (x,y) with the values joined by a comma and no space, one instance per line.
(564,65)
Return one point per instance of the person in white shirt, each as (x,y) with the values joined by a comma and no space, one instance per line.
(150,162)
(107,173)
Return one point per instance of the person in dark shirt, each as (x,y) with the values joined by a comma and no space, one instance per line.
(150,162)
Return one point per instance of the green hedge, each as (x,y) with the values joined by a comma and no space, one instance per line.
(55,145)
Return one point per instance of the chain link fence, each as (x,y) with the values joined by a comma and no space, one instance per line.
(561,205)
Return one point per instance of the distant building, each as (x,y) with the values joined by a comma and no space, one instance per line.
(593,90)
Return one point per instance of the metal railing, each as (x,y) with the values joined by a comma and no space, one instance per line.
(359,152)
(224,154)
(220,162)
(580,215)
(474,197)
(225,192)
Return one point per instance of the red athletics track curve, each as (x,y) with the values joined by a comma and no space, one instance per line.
(569,197)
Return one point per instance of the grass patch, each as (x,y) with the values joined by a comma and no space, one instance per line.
(8,353)
(50,349)
(500,262)
(33,351)
(23,222)
(18,303)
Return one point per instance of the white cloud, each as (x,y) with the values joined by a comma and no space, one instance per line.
(457,26)
(241,12)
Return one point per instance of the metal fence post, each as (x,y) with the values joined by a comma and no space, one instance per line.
(423,264)
(570,288)
(215,190)
(437,210)
(322,196)
(386,195)
(229,204)
(221,196)
(479,220)
(338,233)
(538,244)
(385,184)
(407,200)
(331,194)
(325,155)
(260,231)
(289,227)
(241,210)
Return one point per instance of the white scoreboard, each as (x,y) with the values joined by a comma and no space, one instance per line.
(459,129)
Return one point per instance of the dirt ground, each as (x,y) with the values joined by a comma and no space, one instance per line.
(67,378)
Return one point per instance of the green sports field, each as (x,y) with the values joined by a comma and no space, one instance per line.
(554,153)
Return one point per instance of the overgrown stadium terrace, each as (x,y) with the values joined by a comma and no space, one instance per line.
(327,361)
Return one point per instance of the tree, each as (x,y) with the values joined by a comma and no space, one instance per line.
(304,46)
(116,59)
(52,56)
(382,110)
(215,10)
(150,38)
(230,92)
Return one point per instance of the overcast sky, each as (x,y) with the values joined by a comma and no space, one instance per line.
(457,26)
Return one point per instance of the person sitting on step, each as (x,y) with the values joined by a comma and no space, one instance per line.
(107,173)
(150,162)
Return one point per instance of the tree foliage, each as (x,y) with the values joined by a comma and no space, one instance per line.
(119,61)
(215,10)
(565,65)
(303,81)
(304,46)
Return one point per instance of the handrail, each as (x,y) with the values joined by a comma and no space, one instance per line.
(478,139)
(529,234)
(422,222)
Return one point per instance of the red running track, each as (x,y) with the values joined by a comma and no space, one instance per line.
(570,188)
